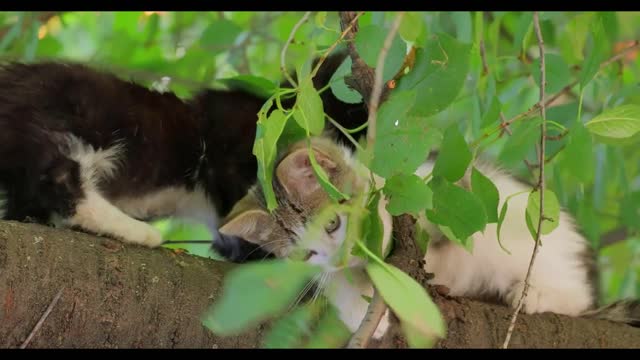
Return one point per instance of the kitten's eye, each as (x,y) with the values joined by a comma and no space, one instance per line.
(333,225)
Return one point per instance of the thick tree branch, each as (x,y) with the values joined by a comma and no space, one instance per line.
(133,297)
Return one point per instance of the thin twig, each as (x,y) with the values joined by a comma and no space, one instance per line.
(541,156)
(333,46)
(550,100)
(483,56)
(377,84)
(622,53)
(42,319)
(375,312)
(283,54)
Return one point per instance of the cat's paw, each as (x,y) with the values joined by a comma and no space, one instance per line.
(145,235)
(153,238)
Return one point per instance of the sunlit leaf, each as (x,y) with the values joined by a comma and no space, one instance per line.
(409,301)
(551,213)
(622,122)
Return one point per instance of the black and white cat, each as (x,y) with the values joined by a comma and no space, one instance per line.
(83,148)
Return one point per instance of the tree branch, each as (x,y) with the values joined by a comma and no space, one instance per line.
(541,157)
(125,296)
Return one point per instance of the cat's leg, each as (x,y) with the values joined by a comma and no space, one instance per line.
(74,182)
(94,213)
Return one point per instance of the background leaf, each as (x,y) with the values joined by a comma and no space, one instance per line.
(439,74)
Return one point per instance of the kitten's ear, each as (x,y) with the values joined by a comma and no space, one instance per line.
(296,173)
(251,225)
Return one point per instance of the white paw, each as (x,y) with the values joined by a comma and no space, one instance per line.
(146,235)
(153,238)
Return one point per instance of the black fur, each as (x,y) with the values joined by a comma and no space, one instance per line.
(163,136)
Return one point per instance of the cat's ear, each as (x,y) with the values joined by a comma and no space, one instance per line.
(296,175)
(251,225)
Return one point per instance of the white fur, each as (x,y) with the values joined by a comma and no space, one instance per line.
(96,214)
(558,282)
(172,201)
(95,165)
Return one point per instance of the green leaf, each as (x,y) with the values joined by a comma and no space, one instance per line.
(462,19)
(407,194)
(323,179)
(12,34)
(467,242)
(412,26)
(402,142)
(372,229)
(622,122)
(579,146)
(503,213)
(309,111)
(456,208)
(551,212)
(340,88)
(369,42)
(573,38)
(486,190)
(454,156)
(274,283)
(152,28)
(290,330)
(439,73)
(557,72)
(32,44)
(330,332)
(492,114)
(523,28)
(186,230)
(520,143)
(219,36)
(321,18)
(408,300)
(597,55)
(257,85)
(265,150)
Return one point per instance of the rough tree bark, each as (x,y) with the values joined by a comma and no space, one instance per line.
(124,296)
